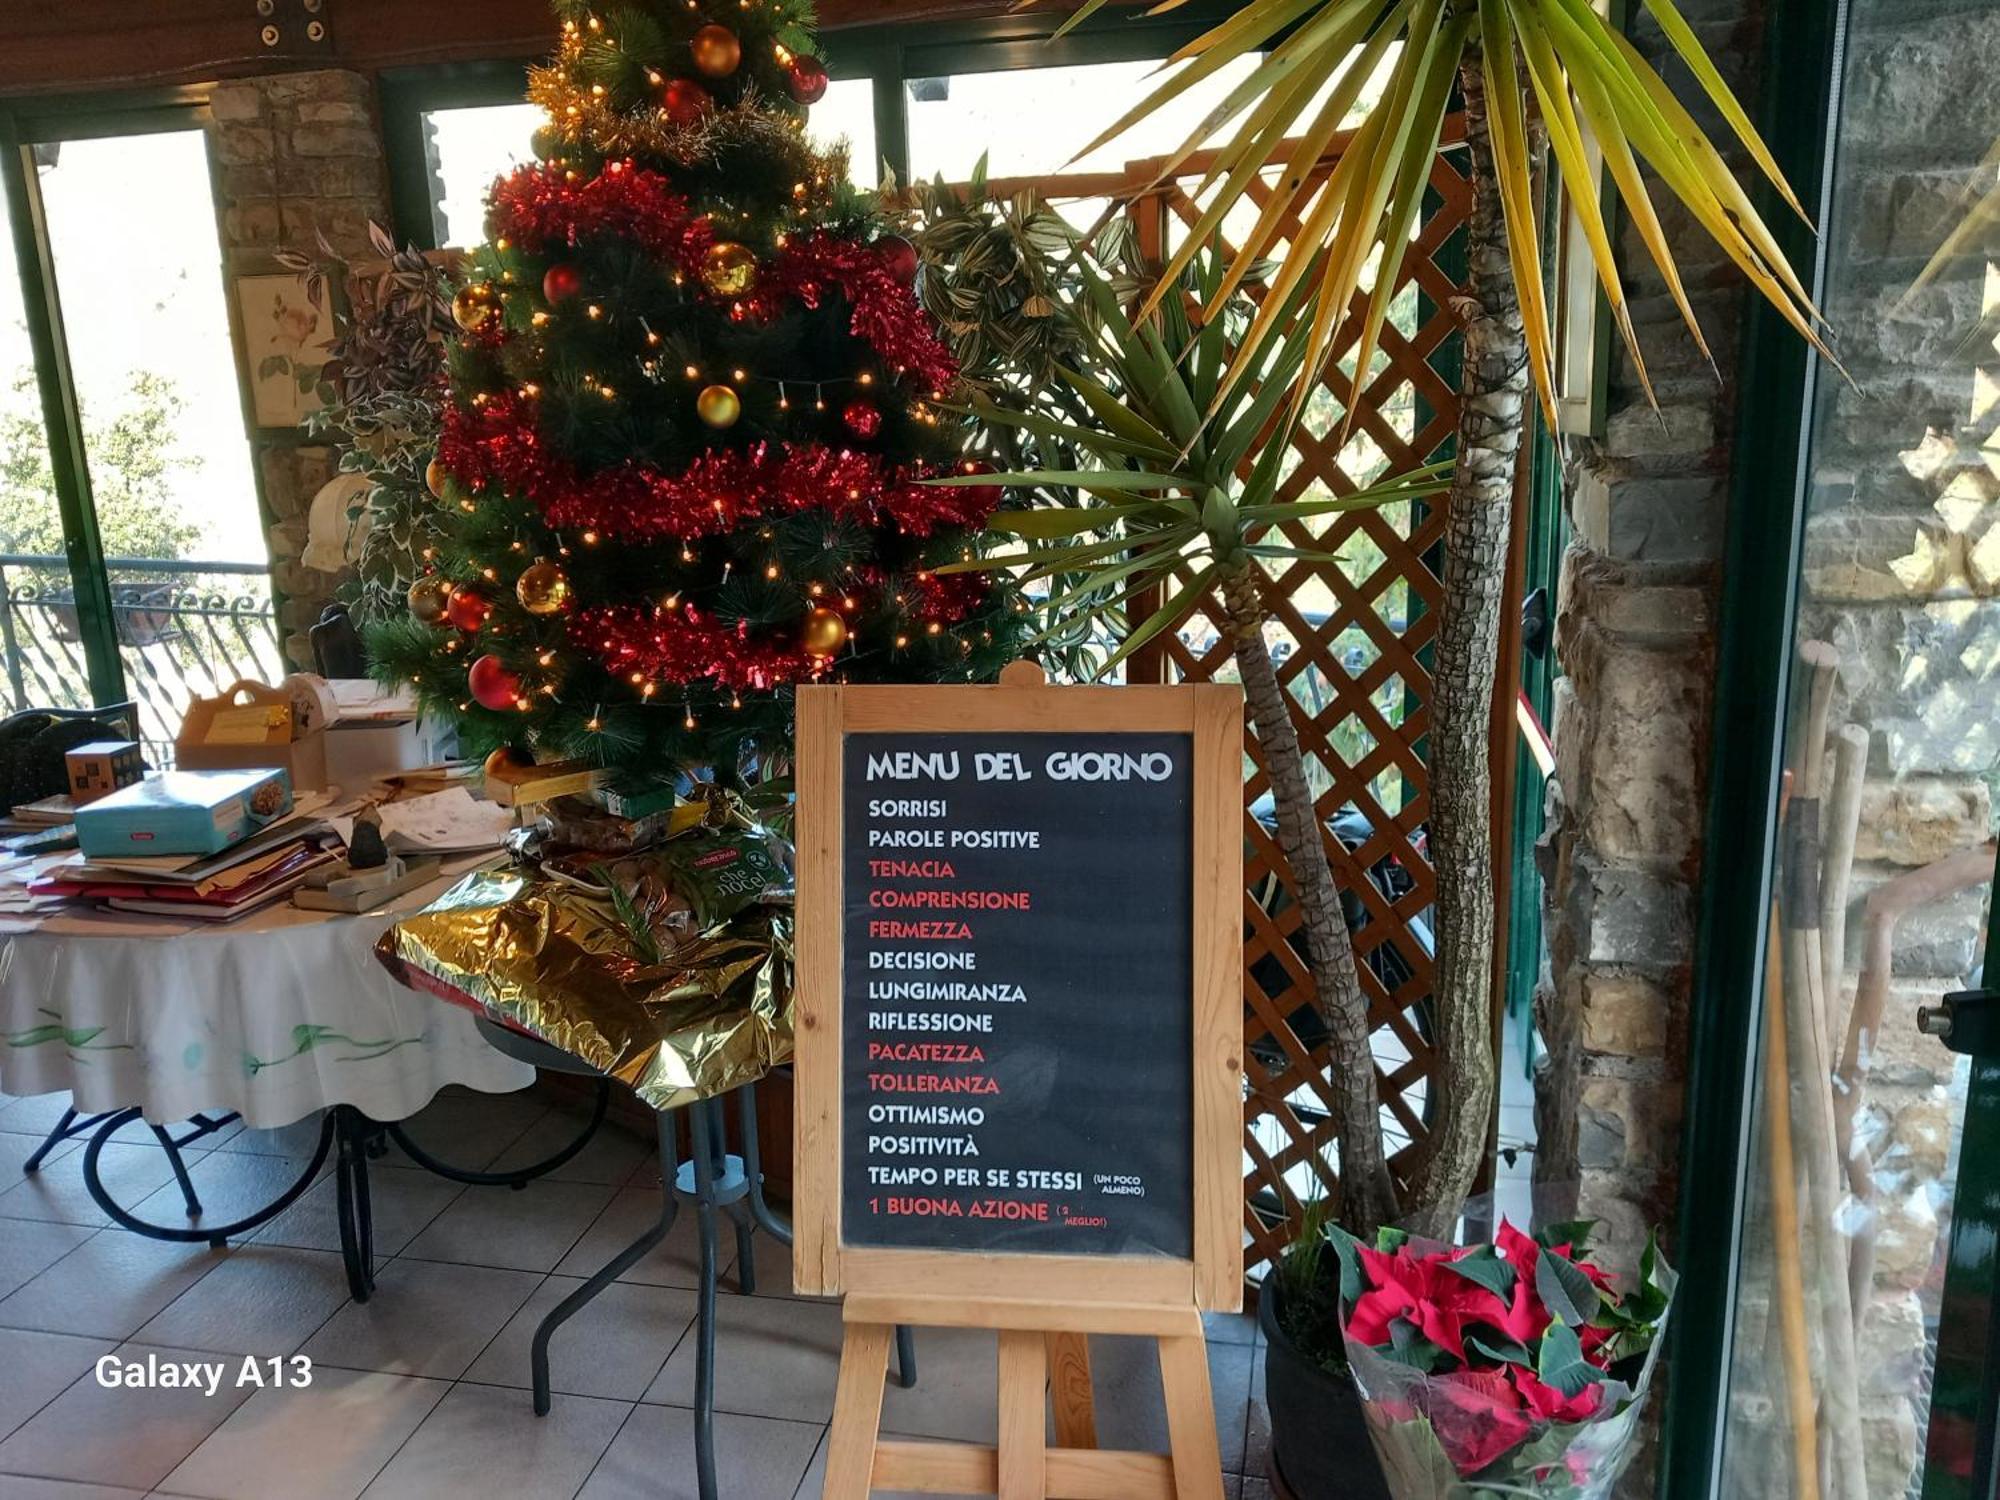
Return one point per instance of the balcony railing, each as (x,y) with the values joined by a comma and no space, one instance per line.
(186,628)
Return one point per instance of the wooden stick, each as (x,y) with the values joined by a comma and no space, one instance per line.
(1788,1272)
(1887,905)
(1842,826)
(1810,1052)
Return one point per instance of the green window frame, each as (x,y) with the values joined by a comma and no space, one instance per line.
(24,125)
(1765,541)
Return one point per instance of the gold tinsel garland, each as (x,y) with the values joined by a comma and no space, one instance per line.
(582,115)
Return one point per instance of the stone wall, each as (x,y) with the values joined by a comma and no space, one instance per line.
(300,157)
(1902,570)
(1636,637)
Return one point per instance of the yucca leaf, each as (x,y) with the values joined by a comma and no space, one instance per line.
(1272,15)
(1067,520)
(1121,480)
(1412,178)
(1168,615)
(1609,133)
(1306,156)
(1552,92)
(1513,175)
(1677,31)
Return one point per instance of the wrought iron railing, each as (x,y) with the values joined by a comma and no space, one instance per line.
(186,628)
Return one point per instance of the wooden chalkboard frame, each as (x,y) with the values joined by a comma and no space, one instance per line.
(1212,715)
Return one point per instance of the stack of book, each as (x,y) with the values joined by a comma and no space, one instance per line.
(266,867)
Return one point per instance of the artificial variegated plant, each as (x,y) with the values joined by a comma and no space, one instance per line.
(1183,506)
(1326,242)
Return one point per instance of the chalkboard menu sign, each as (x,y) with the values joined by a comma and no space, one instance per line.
(1019,991)
(1016,981)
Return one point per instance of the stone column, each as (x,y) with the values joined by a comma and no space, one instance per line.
(300,157)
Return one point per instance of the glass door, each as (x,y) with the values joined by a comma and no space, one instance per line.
(1864,1125)
(154,584)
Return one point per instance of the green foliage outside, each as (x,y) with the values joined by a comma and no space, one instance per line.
(135,458)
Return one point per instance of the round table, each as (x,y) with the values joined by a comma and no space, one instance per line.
(279,1016)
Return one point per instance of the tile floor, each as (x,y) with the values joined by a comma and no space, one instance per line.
(422,1392)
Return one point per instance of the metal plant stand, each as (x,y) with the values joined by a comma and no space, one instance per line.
(717,1183)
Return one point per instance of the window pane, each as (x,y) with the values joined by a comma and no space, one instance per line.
(43,660)
(471,146)
(848,113)
(1029,123)
(147,321)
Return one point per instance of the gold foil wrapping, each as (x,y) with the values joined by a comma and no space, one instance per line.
(713,1012)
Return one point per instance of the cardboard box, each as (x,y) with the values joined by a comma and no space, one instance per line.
(183,812)
(101,768)
(254,726)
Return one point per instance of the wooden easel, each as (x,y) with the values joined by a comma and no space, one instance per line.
(1043,1307)
(1041,1369)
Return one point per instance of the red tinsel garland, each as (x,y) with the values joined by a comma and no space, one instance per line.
(683,645)
(495,443)
(887,315)
(543,210)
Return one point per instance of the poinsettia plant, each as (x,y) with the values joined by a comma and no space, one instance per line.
(1514,1368)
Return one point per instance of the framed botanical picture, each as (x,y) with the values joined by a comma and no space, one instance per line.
(287,344)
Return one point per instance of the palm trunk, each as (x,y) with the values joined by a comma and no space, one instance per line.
(1367,1195)
(1493,397)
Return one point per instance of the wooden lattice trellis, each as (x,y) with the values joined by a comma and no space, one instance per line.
(1354,639)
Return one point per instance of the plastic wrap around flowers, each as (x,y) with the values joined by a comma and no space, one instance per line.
(1508,1369)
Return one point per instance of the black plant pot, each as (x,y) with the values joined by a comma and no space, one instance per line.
(1320,1448)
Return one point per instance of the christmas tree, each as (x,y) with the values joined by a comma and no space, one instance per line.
(692,407)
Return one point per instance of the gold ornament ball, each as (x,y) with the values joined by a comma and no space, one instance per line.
(718,405)
(542,588)
(729,269)
(506,758)
(475,305)
(435,477)
(825,632)
(428,598)
(716,51)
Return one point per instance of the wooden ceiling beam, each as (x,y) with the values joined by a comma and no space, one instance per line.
(89,45)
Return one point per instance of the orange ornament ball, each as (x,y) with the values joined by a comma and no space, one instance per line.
(435,476)
(718,406)
(542,588)
(474,306)
(428,599)
(729,269)
(506,758)
(824,632)
(716,51)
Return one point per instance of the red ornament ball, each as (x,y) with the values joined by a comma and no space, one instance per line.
(493,685)
(899,257)
(685,101)
(986,492)
(863,418)
(467,609)
(805,78)
(562,282)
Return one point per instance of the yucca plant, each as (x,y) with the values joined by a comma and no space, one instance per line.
(1520,71)
(1179,506)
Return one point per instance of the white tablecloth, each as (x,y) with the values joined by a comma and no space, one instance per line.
(274,1017)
